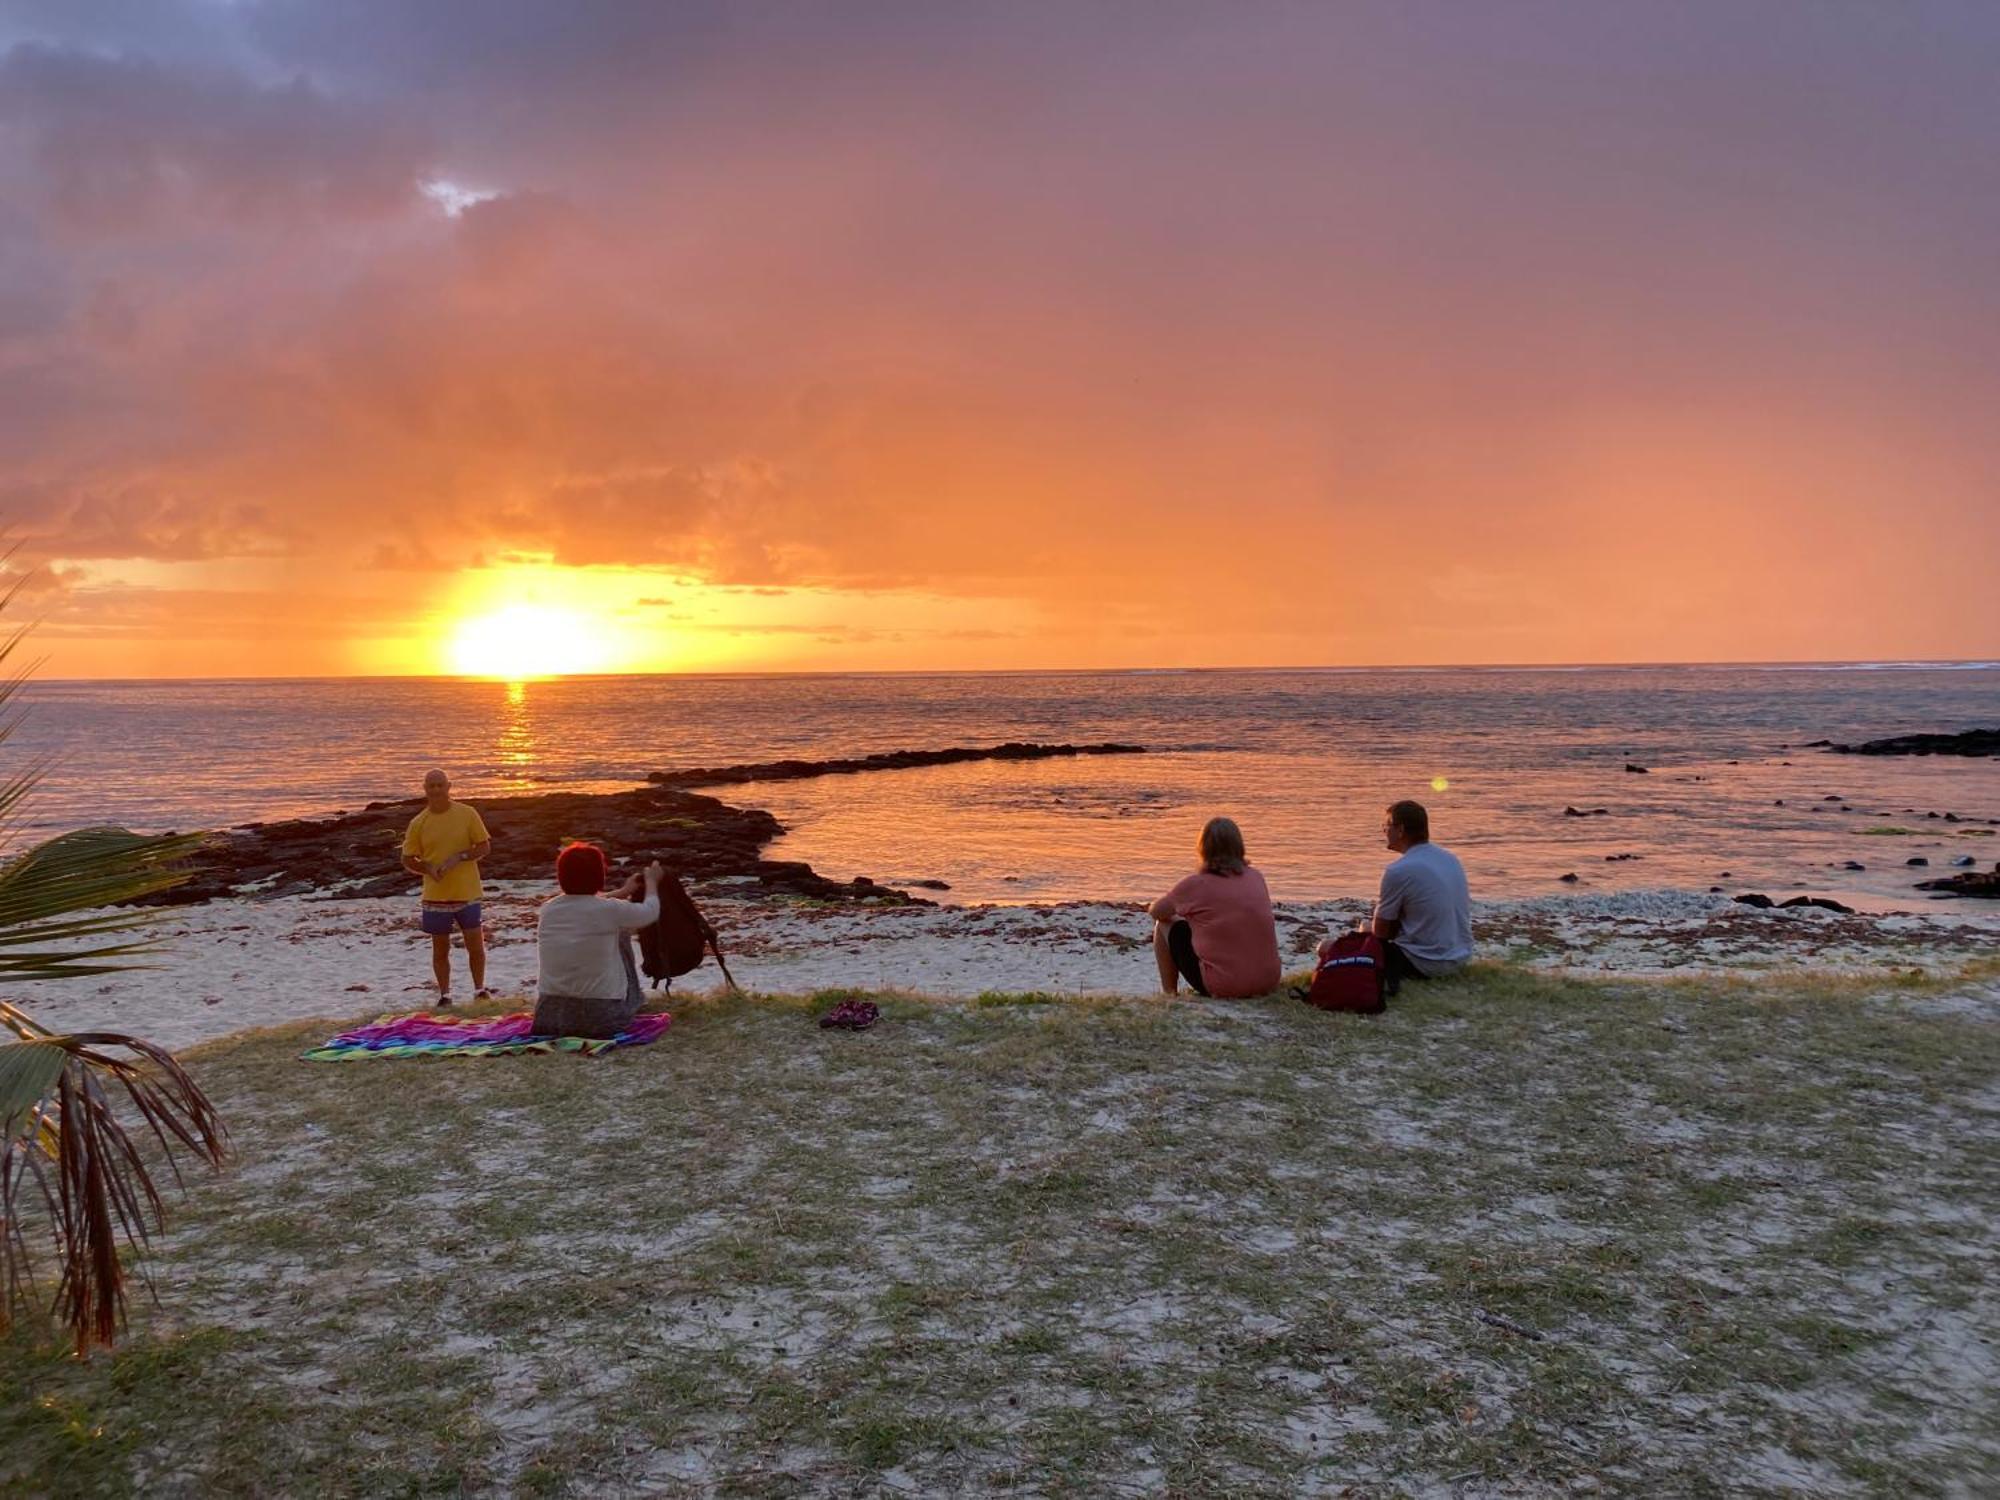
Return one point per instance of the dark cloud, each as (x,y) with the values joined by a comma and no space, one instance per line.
(119,144)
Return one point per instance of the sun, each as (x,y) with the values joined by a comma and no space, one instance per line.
(526,640)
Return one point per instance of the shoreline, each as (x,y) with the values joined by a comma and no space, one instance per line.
(240,963)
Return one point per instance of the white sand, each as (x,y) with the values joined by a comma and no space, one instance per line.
(245,963)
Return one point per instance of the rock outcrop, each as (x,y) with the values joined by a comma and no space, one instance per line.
(892,760)
(1974,742)
(358,853)
(1764,903)
(1981,883)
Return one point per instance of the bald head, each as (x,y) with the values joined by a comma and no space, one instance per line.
(437,789)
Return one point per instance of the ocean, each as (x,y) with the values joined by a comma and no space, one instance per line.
(1304,760)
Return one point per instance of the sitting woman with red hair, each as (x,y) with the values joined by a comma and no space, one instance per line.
(588,984)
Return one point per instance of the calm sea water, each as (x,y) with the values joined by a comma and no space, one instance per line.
(1304,760)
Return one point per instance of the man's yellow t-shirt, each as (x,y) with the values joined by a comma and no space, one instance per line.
(434,837)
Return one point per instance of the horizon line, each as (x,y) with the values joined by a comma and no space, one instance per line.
(1969,663)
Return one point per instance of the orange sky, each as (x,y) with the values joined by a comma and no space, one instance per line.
(378,338)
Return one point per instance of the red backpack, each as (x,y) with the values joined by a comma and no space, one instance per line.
(1350,976)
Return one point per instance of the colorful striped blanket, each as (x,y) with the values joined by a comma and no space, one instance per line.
(486,1036)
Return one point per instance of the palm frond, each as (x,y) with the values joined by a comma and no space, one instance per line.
(60,917)
(27,1069)
(87,871)
(92,1180)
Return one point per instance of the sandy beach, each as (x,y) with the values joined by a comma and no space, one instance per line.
(228,965)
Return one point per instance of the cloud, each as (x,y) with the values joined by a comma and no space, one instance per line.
(120,144)
(139,521)
(1236,324)
(416,557)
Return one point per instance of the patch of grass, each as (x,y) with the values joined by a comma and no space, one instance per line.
(994,998)
(1084,1247)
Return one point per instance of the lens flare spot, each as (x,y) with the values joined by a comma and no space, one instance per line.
(1440,784)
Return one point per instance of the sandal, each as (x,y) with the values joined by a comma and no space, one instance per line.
(851,1015)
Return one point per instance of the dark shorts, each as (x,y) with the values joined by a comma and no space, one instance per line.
(438,921)
(1180,943)
(1398,967)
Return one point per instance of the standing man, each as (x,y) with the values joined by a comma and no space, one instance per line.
(444,844)
(1424,914)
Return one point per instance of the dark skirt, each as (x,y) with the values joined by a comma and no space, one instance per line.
(571,1015)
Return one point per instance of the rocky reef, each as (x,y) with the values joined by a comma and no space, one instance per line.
(359,853)
(1983,883)
(1974,742)
(893,760)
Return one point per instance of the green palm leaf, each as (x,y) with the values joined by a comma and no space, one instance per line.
(65,912)
(43,890)
(28,1070)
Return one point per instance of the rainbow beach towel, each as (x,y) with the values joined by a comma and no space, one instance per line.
(425,1035)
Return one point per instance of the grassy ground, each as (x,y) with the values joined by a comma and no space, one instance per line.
(1520,1236)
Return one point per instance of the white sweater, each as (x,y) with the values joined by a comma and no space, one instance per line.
(578,938)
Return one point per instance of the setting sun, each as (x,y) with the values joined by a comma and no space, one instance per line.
(526,640)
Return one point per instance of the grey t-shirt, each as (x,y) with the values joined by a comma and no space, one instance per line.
(1426,894)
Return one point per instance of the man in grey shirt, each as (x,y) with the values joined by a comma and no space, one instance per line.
(1424,914)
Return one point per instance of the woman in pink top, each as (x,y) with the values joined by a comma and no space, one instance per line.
(1215,928)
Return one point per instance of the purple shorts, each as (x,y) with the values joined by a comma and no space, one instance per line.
(438,921)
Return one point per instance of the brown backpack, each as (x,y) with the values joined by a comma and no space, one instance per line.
(674,944)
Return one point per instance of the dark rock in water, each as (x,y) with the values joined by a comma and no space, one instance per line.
(1916,859)
(1831,797)
(931,885)
(791,877)
(1570,879)
(1715,890)
(1812,745)
(893,760)
(1852,864)
(1951,817)
(357,854)
(1981,883)
(1585,812)
(1964,862)
(1755,898)
(1722,874)
(1615,859)
(1821,902)
(1636,770)
(1974,742)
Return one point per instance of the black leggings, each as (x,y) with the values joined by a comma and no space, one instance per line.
(1180,943)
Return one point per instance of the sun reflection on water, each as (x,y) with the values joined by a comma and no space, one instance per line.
(516,758)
